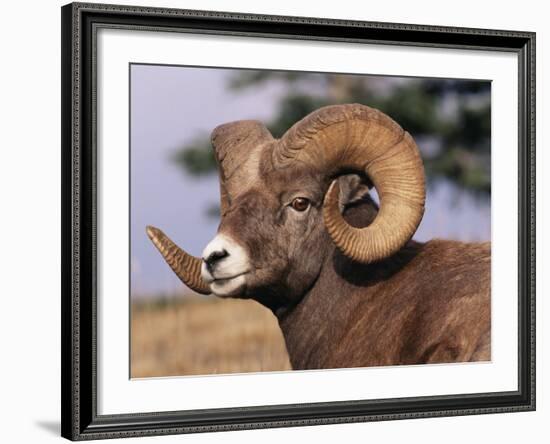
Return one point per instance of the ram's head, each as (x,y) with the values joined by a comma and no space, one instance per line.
(281,202)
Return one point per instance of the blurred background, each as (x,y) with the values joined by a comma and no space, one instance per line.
(174,186)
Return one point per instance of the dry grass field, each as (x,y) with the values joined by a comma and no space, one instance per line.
(200,336)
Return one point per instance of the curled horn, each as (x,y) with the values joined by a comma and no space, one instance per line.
(186,267)
(355,138)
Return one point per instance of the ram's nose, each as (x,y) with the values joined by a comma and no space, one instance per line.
(214,257)
(223,258)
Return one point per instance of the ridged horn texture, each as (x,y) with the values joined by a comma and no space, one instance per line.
(186,267)
(356,138)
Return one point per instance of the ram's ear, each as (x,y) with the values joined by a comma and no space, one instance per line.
(352,188)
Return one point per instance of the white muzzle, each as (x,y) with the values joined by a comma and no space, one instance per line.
(224,266)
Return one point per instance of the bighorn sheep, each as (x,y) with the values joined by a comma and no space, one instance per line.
(300,234)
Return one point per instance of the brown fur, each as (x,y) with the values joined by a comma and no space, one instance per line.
(429,303)
(424,303)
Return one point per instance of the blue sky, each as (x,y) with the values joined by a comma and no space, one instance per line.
(171,106)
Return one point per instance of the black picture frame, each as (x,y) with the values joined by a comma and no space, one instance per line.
(78,332)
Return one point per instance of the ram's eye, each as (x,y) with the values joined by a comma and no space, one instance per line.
(300,204)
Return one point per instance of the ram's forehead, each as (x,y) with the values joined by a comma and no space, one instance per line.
(256,171)
(244,151)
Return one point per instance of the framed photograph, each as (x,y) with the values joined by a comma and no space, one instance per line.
(281,221)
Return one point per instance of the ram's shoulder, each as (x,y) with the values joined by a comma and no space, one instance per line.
(450,251)
(452,271)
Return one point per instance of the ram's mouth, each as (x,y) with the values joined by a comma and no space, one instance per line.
(224,280)
(210,278)
(230,286)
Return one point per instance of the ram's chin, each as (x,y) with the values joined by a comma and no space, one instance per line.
(228,287)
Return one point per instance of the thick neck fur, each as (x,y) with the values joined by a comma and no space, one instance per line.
(313,325)
(314,328)
(394,311)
